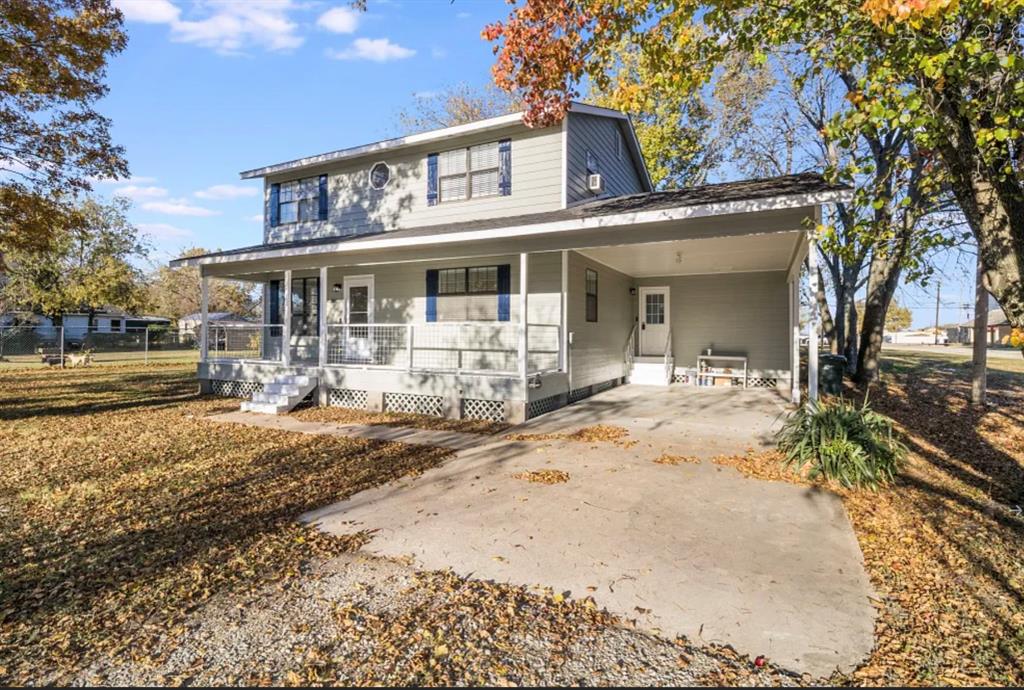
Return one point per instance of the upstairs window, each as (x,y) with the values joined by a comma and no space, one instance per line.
(473,172)
(298,201)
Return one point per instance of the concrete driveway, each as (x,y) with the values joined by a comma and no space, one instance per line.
(692,549)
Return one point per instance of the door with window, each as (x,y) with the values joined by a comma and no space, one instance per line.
(358,341)
(654,320)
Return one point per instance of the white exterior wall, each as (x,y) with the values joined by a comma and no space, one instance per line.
(597,352)
(732,313)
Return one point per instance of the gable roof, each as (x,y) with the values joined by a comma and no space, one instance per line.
(788,191)
(438,135)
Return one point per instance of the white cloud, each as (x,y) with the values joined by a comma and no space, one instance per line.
(227,191)
(139,192)
(340,20)
(463,15)
(375,49)
(257,218)
(226,26)
(438,53)
(149,11)
(164,231)
(178,207)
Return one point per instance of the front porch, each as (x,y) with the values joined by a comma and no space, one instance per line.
(509,328)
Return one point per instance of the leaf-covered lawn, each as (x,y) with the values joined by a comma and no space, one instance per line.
(123,510)
(944,546)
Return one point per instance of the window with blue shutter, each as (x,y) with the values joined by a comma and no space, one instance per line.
(432,294)
(505,167)
(432,180)
(322,205)
(275,204)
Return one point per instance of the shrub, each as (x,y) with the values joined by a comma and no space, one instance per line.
(840,441)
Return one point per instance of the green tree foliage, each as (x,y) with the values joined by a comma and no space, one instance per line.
(85,267)
(941,77)
(175,292)
(53,56)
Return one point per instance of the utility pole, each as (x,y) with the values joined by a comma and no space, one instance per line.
(979,375)
(938,296)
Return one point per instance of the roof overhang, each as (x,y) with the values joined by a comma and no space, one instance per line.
(738,217)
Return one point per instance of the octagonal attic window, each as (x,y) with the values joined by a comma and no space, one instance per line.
(380,175)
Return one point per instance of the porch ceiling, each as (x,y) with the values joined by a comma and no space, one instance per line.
(770,252)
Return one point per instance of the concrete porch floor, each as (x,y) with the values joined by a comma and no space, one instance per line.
(694,549)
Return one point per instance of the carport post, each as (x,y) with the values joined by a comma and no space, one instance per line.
(204,316)
(524,279)
(812,322)
(286,329)
(794,336)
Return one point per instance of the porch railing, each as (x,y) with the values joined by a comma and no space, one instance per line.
(258,341)
(470,347)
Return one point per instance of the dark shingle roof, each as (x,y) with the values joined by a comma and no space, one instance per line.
(763,188)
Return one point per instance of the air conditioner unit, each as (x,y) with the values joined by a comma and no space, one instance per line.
(595,183)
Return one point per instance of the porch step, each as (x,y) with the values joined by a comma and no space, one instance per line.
(650,371)
(281,394)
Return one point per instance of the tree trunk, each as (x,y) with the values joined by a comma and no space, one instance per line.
(979,373)
(883,278)
(828,326)
(840,317)
(850,346)
(992,206)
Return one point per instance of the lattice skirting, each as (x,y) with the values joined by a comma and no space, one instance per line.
(235,389)
(578,394)
(487,410)
(762,382)
(432,405)
(346,397)
(682,378)
(536,408)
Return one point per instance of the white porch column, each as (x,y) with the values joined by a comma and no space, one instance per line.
(812,323)
(524,282)
(204,316)
(563,359)
(321,311)
(794,345)
(286,329)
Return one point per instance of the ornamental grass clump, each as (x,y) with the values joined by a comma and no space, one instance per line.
(839,441)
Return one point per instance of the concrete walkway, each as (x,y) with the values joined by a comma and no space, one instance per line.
(455,440)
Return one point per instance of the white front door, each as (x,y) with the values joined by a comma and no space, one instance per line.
(358,342)
(654,320)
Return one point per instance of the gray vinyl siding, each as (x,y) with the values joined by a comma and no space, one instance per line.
(733,313)
(355,208)
(598,134)
(597,351)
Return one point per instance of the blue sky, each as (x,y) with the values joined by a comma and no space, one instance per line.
(207,88)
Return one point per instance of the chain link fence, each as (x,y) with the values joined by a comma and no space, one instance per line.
(45,346)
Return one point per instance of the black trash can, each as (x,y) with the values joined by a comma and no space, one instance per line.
(830,373)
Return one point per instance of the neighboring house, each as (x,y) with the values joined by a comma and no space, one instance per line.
(495,271)
(190,323)
(76,325)
(998,332)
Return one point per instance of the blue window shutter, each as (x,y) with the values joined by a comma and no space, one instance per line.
(432,294)
(322,210)
(432,179)
(275,203)
(504,288)
(275,301)
(505,167)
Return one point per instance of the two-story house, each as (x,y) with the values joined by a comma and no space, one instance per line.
(496,271)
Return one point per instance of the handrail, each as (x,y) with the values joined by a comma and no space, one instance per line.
(629,353)
(669,361)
